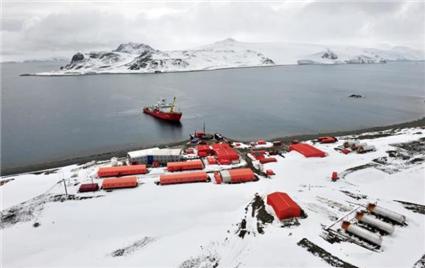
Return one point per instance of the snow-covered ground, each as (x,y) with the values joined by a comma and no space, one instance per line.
(228,53)
(198,225)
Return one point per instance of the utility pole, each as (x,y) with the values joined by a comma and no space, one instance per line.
(64,184)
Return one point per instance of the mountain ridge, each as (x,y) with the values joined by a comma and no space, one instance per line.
(133,57)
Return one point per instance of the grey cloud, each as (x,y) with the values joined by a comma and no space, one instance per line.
(47,26)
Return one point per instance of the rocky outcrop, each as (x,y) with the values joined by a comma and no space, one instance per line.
(329,55)
(133,48)
(77,57)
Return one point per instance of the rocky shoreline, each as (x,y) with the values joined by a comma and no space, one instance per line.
(122,152)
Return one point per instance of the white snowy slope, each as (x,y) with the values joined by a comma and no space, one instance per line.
(141,58)
(355,55)
(198,225)
(228,53)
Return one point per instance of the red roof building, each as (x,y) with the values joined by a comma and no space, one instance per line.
(307,150)
(234,175)
(204,150)
(123,182)
(185,165)
(121,170)
(283,205)
(185,177)
(225,154)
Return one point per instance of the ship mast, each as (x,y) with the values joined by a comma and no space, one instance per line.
(173,105)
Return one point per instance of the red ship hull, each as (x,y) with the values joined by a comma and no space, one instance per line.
(168,116)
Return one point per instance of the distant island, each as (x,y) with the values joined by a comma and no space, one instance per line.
(229,53)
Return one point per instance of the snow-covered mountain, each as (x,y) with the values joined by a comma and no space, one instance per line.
(353,55)
(142,58)
(229,53)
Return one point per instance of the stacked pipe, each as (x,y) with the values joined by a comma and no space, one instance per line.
(373,221)
(373,208)
(362,233)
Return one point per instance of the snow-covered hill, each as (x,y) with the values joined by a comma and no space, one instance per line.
(221,225)
(141,58)
(228,53)
(353,55)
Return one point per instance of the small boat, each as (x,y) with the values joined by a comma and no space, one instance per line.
(164,111)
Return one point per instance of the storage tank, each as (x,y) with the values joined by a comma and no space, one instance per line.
(361,232)
(373,221)
(386,213)
(185,177)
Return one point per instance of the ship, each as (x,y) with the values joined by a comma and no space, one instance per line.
(163,110)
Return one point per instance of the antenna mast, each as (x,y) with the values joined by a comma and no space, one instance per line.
(173,105)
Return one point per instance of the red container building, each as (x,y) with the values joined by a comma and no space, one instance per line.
(327,139)
(186,165)
(266,160)
(283,205)
(203,150)
(186,177)
(123,182)
(212,160)
(235,175)
(307,150)
(225,154)
(88,187)
(122,170)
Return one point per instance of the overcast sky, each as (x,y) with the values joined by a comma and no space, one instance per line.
(59,27)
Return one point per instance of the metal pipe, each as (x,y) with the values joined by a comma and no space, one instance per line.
(386,213)
(363,233)
(373,221)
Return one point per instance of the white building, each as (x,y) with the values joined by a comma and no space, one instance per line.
(148,156)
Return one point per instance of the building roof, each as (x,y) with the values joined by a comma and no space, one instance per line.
(154,151)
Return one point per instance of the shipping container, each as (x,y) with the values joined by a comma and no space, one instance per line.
(283,205)
(88,187)
(270,172)
(186,165)
(185,177)
(266,160)
(307,150)
(121,171)
(123,182)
